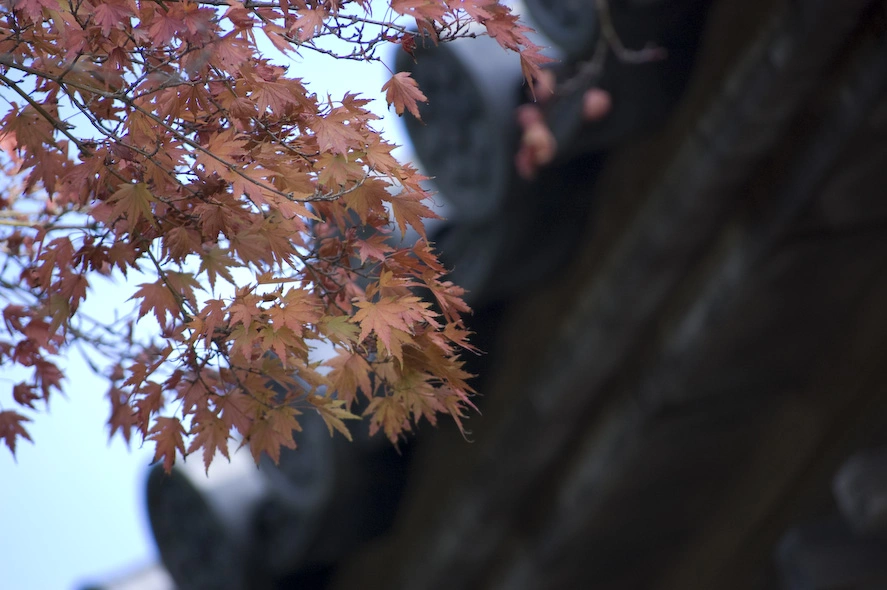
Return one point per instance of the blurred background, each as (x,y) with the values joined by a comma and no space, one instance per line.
(684,320)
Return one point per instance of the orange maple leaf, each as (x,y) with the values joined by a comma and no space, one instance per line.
(409,209)
(272,431)
(297,308)
(389,414)
(333,412)
(280,340)
(350,374)
(309,23)
(403,92)
(211,434)
(381,317)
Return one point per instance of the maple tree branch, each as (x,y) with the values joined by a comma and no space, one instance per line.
(130,101)
(11,213)
(589,71)
(114,136)
(109,349)
(320,196)
(257,121)
(197,146)
(185,307)
(7,60)
(646,54)
(54,121)
(46,226)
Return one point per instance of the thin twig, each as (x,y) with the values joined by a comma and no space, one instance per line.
(646,54)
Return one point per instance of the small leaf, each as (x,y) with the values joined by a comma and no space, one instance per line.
(11,428)
(211,434)
(271,431)
(403,92)
(167,435)
(333,413)
(132,202)
(350,374)
(381,317)
(339,329)
(215,263)
(159,299)
(409,209)
(309,23)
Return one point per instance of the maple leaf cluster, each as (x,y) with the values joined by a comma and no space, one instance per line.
(148,138)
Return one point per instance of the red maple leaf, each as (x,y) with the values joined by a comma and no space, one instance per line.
(132,202)
(123,417)
(167,434)
(420,9)
(159,299)
(11,428)
(111,15)
(220,152)
(24,395)
(148,403)
(334,134)
(34,8)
